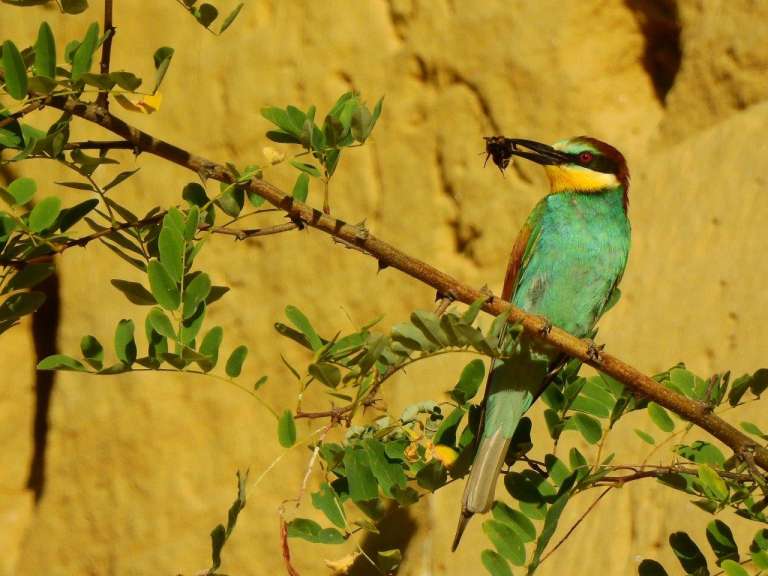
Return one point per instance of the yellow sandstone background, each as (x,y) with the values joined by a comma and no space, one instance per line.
(140,467)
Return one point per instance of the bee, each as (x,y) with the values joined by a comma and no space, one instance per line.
(500,149)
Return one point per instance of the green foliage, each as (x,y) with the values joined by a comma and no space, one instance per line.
(220,534)
(373,458)
(206,14)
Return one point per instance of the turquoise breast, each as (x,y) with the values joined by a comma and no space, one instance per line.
(578,256)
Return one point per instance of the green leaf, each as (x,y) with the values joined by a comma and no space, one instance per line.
(759,549)
(170,244)
(127,81)
(721,540)
(44,214)
(312,531)
(432,476)
(22,190)
(61,362)
(125,345)
(231,200)
(135,292)
(219,535)
(651,568)
(446,432)
(660,417)
(45,52)
(206,14)
(506,541)
(162,59)
(210,347)
(469,382)
(733,568)
(20,304)
(495,563)
(93,351)
(590,406)
(101,81)
(388,474)
(558,471)
(301,322)
(326,373)
(362,482)
(516,520)
(15,71)
(235,361)
(688,553)
(301,188)
(751,428)
(589,427)
(702,452)
(72,215)
(230,18)
(191,325)
(74,6)
(29,276)
(196,292)
(712,480)
(327,501)
(83,58)
(645,437)
(759,382)
(162,286)
(310,169)
(286,429)
(161,323)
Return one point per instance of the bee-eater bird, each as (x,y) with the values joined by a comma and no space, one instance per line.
(565,265)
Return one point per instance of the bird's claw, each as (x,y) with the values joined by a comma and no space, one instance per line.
(594,350)
(546,327)
(485,291)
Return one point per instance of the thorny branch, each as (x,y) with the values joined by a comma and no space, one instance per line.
(387,255)
(106,51)
(59,247)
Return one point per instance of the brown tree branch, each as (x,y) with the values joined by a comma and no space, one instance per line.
(696,412)
(99,145)
(23,112)
(106,51)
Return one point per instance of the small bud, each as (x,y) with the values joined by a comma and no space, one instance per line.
(272,156)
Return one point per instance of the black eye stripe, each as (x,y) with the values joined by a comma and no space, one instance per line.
(598,163)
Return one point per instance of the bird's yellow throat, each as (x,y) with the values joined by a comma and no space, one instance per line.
(579,179)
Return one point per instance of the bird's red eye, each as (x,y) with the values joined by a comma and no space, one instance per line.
(585,157)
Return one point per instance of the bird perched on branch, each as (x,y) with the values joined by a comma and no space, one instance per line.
(565,266)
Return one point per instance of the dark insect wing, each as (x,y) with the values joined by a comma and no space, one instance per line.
(500,149)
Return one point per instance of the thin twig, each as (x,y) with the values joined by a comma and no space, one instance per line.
(576,524)
(387,255)
(23,112)
(106,51)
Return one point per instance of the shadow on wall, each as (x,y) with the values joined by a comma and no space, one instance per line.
(660,24)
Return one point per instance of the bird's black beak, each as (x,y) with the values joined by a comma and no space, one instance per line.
(537,152)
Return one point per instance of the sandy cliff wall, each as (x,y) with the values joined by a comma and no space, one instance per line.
(140,468)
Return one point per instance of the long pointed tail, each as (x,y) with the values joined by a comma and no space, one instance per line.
(481,485)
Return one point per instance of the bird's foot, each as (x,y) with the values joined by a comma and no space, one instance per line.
(594,350)
(546,326)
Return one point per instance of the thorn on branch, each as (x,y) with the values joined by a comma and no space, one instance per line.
(546,326)
(362,233)
(593,350)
